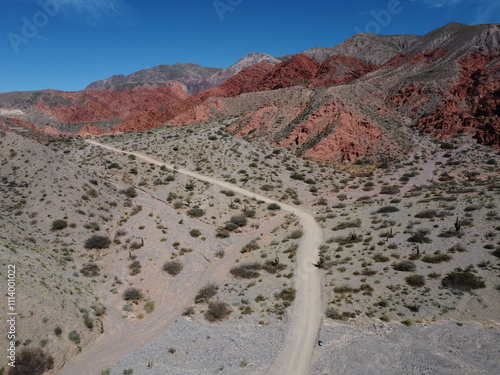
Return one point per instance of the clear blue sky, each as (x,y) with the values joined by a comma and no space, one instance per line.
(66,44)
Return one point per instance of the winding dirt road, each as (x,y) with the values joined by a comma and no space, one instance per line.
(306,310)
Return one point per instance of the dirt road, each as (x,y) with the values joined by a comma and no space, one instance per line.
(306,314)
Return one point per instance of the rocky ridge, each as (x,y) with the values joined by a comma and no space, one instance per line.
(367,89)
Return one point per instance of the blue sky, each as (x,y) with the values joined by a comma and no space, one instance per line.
(66,44)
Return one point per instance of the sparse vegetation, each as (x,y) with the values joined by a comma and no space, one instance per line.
(196,212)
(206,293)
(132,294)
(32,361)
(149,306)
(74,336)
(405,266)
(59,224)
(415,280)
(173,267)
(274,207)
(462,280)
(134,267)
(438,257)
(129,192)
(90,270)
(247,270)
(97,242)
(217,311)
(387,209)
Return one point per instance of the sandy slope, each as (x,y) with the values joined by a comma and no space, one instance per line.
(304,325)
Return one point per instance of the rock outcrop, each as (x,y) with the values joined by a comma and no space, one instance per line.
(347,102)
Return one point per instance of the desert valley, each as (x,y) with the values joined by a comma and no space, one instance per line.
(330,212)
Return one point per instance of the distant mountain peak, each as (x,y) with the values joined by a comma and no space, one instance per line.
(250,59)
(185,73)
(367,47)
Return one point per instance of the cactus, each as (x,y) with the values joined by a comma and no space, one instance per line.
(276,260)
(458,225)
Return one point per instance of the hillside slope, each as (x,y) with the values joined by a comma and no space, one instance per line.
(373,94)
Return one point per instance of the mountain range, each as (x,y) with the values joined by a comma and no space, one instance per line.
(366,97)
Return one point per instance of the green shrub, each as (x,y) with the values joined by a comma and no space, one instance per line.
(297,176)
(196,212)
(273,266)
(93,226)
(332,313)
(132,294)
(74,337)
(368,272)
(447,146)
(267,187)
(149,306)
(347,224)
(97,242)
(413,308)
(461,280)
(390,189)
(496,253)
(90,270)
(260,298)
(222,233)
(129,192)
(296,234)
(205,293)
(438,257)
(385,318)
(217,311)
(87,320)
(427,214)
(343,289)
(251,246)
(249,213)
(274,207)
(247,270)
(380,258)
(387,209)
(58,331)
(188,311)
(173,267)
(195,233)
(59,224)
(239,220)
(134,267)
(32,361)
(114,165)
(416,281)
(420,236)
(287,294)
(405,266)
(230,226)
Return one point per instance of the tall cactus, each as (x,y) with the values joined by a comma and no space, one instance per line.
(458,225)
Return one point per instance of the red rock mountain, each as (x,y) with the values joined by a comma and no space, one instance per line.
(362,98)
